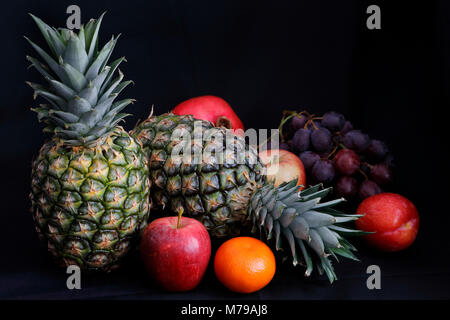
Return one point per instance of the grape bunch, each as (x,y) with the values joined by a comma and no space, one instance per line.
(336,154)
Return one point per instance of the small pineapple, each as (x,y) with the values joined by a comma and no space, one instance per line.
(227,190)
(90,185)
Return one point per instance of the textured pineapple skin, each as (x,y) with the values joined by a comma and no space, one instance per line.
(90,204)
(215,192)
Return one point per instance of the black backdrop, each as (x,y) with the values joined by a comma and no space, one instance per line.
(262,57)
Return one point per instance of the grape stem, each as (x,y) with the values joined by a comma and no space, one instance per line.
(312,122)
(364,174)
(287,115)
(332,152)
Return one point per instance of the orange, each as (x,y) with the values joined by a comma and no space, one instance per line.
(244,264)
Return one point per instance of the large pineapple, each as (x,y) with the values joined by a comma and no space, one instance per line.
(226,188)
(90,186)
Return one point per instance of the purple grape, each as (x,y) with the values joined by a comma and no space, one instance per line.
(356,140)
(381,174)
(377,150)
(346,187)
(323,171)
(368,188)
(321,140)
(301,140)
(333,121)
(347,162)
(347,127)
(298,122)
(308,158)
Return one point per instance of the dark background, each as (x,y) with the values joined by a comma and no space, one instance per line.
(262,57)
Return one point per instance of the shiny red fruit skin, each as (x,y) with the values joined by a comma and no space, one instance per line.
(176,259)
(209,108)
(392,217)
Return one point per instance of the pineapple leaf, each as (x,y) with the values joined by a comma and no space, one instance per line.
(62,90)
(276,228)
(316,243)
(90,94)
(53,41)
(329,203)
(348,232)
(65,116)
(306,257)
(300,228)
(78,127)
(54,66)
(103,55)
(40,68)
(316,219)
(91,35)
(328,268)
(291,241)
(75,54)
(311,190)
(100,78)
(59,45)
(43,92)
(75,79)
(78,106)
(269,225)
(122,86)
(344,253)
(112,69)
(81,36)
(329,239)
(346,219)
(319,194)
(111,88)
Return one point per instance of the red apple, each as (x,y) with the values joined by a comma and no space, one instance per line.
(176,252)
(213,109)
(393,219)
(283,166)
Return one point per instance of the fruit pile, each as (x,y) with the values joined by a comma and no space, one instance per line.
(92,181)
(336,154)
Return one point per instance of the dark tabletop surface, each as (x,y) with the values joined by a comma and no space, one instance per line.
(262,57)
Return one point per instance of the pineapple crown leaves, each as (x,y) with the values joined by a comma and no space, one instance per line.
(80,85)
(300,220)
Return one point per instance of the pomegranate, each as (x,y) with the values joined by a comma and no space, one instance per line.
(213,109)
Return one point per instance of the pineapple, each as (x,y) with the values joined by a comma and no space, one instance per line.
(90,185)
(227,190)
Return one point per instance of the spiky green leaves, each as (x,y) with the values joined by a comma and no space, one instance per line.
(300,220)
(81,88)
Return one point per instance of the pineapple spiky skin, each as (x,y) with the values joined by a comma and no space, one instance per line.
(229,192)
(90,204)
(216,194)
(90,185)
